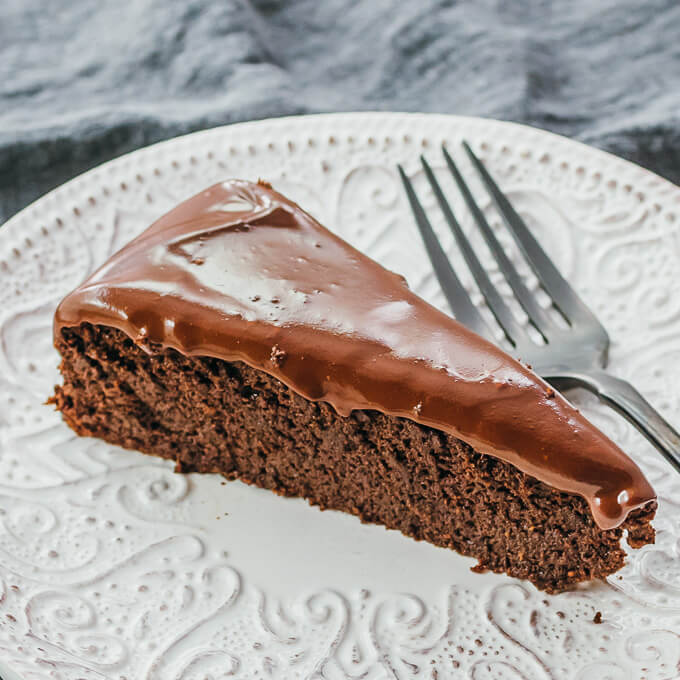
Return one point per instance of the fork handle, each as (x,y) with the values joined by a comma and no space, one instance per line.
(624,398)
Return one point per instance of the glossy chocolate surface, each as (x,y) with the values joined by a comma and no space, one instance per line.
(239,272)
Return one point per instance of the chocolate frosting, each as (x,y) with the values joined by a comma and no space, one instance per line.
(239,272)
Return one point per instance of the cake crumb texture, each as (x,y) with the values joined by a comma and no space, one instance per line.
(211,415)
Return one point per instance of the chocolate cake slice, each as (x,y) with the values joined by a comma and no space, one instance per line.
(238,336)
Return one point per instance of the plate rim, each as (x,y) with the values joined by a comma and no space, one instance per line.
(344,116)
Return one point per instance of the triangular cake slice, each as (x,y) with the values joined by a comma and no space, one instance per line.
(237,335)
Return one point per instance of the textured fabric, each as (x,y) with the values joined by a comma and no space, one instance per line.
(83,81)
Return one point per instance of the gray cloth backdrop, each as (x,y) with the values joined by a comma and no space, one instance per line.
(83,81)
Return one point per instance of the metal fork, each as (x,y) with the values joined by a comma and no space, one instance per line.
(571,356)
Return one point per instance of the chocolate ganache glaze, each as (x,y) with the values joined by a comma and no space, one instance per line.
(239,272)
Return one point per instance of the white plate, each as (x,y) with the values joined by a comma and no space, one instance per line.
(112,566)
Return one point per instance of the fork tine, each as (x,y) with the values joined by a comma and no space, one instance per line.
(456,295)
(512,329)
(537,315)
(563,295)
